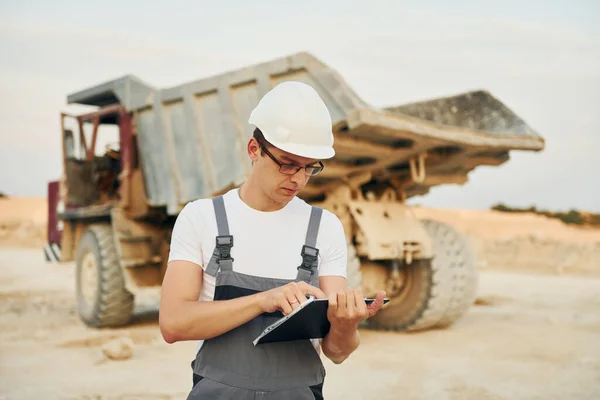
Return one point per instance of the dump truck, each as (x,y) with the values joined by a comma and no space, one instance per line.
(113,208)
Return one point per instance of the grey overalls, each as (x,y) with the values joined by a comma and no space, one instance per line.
(230,366)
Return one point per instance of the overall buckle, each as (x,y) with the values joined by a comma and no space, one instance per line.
(309,258)
(224,245)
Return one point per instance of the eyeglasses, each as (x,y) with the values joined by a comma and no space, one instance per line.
(292,169)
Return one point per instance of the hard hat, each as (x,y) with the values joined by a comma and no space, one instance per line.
(293,118)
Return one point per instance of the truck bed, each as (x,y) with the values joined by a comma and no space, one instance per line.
(192,137)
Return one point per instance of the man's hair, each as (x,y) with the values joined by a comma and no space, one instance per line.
(260,138)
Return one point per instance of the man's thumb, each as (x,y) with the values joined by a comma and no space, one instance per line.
(376,305)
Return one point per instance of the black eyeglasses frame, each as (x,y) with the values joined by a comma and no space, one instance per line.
(292,169)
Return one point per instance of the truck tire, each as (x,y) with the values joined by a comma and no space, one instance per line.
(353,275)
(102,300)
(437,292)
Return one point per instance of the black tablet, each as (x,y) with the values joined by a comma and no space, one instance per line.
(309,321)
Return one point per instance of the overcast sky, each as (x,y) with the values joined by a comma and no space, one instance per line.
(541,58)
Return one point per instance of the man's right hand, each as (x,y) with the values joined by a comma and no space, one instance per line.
(288,297)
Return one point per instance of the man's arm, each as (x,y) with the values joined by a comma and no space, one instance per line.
(347,309)
(183,317)
(337,346)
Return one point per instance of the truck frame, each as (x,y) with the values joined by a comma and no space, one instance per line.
(112,211)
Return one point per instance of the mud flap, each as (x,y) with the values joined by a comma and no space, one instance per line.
(52,252)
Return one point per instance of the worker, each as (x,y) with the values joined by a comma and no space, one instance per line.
(240,261)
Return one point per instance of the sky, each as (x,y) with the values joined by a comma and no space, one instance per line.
(541,58)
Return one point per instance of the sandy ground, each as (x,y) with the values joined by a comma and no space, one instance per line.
(534,332)
(23,221)
(529,337)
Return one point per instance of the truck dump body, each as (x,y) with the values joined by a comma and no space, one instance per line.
(192,137)
(478,111)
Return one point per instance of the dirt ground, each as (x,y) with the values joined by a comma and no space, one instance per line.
(533,333)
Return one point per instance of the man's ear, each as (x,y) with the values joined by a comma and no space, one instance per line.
(253,149)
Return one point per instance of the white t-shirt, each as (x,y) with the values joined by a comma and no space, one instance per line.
(266,244)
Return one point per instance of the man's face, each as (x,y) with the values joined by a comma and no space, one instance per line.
(280,187)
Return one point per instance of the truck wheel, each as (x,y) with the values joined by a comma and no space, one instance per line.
(102,300)
(437,292)
(353,269)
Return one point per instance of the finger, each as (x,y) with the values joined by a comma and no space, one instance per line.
(298,298)
(342,304)
(313,291)
(350,301)
(376,305)
(299,293)
(333,303)
(294,302)
(361,305)
(285,306)
(359,300)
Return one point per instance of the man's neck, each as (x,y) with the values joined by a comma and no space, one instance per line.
(252,194)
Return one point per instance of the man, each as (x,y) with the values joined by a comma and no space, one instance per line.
(239,261)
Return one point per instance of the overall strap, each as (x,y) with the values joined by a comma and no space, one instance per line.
(309,251)
(221,258)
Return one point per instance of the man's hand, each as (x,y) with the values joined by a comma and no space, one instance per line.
(289,297)
(347,309)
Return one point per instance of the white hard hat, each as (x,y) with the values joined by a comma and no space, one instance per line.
(293,118)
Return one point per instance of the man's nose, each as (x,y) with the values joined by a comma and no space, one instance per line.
(299,178)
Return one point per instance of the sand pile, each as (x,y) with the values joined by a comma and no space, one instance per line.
(525,242)
(507,241)
(23,221)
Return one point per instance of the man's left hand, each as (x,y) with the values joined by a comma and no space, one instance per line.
(347,309)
